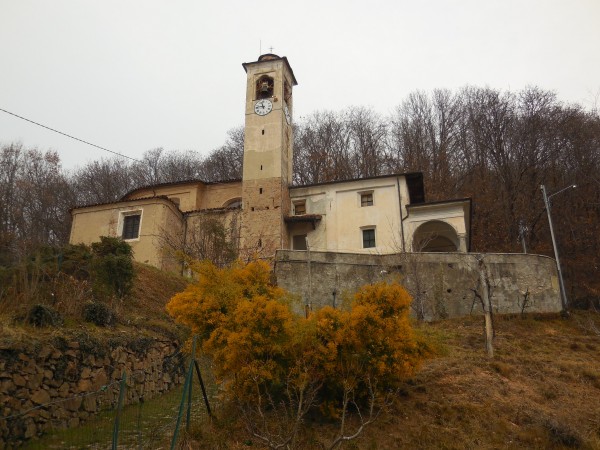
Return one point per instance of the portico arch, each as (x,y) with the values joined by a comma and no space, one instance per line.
(435,236)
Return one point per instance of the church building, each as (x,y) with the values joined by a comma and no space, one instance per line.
(379,215)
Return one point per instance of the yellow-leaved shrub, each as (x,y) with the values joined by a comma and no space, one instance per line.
(261,349)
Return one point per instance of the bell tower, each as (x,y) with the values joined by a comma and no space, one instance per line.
(268,155)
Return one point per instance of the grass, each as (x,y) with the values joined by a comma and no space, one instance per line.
(147,425)
(541,390)
(143,309)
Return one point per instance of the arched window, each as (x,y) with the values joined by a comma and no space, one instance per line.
(264,87)
(233,203)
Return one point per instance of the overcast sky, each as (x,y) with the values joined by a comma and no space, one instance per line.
(135,75)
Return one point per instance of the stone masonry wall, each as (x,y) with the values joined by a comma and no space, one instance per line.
(63,381)
(446,283)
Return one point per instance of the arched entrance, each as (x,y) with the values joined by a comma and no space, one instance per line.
(435,236)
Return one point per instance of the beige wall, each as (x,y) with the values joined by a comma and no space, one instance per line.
(158,216)
(268,139)
(196,195)
(218,194)
(188,194)
(267,165)
(343,217)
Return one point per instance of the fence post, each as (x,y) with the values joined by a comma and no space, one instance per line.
(123,386)
(188,380)
(189,402)
(203,388)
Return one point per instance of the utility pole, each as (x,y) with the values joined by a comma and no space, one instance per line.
(308,306)
(563,293)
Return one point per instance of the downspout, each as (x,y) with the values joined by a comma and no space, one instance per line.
(400,211)
(185,227)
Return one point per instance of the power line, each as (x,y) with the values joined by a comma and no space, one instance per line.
(69,136)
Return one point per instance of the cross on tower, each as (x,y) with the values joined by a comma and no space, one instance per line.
(270,49)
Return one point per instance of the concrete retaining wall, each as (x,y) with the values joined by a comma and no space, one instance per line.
(446,284)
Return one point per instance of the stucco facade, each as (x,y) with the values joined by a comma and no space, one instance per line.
(264,212)
(159,217)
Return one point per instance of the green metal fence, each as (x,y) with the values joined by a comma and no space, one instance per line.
(124,421)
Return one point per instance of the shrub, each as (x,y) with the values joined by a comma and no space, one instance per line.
(98,313)
(112,265)
(44,316)
(268,358)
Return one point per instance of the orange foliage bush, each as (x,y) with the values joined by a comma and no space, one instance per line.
(261,349)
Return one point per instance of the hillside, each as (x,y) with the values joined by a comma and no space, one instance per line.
(143,309)
(542,389)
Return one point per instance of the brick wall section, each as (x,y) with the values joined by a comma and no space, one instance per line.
(445,281)
(262,217)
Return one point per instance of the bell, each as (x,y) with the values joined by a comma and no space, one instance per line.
(264,87)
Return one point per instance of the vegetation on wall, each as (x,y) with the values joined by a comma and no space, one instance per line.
(276,367)
(206,237)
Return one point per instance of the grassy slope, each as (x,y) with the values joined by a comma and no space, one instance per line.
(142,312)
(542,389)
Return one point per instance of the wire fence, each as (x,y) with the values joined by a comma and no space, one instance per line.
(118,416)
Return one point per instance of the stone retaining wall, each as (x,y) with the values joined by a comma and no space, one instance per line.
(64,381)
(446,283)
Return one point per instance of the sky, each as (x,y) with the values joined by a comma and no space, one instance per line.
(135,75)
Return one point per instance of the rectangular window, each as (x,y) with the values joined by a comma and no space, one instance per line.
(131,226)
(299,242)
(366,199)
(299,208)
(368,238)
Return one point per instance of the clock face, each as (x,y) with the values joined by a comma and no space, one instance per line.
(263,107)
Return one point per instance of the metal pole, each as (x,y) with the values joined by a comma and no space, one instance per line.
(123,386)
(563,294)
(189,399)
(186,386)
(309,299)
(203,388)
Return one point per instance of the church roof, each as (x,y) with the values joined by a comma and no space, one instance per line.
(174,183)
(125,200)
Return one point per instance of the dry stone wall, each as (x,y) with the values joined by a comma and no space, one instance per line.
(446,284)
(63,381)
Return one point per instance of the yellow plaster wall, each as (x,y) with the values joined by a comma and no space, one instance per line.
(188,194)
(343,217)
(217,195)
(158,216)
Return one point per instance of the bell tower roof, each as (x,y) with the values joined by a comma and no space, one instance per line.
(272,57)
